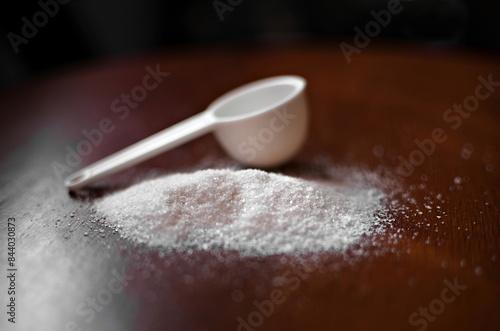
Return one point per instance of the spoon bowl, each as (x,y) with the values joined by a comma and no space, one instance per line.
(262,124)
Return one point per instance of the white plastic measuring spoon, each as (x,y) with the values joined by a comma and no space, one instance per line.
(259,124)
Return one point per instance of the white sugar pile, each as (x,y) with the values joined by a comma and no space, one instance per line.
(250,211)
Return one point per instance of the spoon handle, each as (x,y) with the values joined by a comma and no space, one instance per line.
(158,143)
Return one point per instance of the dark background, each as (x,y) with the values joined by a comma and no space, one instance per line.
(83,30)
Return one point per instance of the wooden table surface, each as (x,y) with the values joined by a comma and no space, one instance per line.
(441,273)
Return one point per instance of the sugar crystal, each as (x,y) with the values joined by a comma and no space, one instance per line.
(250,211)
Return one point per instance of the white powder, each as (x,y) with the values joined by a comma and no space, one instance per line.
(250,211)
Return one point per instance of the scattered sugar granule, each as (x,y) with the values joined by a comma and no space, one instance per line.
(250,211)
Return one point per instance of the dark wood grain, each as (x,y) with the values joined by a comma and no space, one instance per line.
(366,113)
